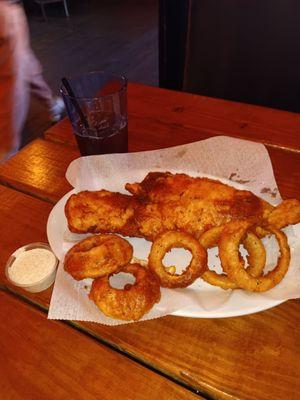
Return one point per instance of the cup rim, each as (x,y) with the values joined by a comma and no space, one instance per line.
(120,77)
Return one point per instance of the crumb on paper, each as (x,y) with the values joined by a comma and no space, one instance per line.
(267,190)
(241,181)
(234,177)
(180,153)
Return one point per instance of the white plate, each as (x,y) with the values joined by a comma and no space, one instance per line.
(228,303)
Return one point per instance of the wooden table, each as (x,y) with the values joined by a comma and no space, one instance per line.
(251,357)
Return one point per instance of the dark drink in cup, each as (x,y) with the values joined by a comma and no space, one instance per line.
(96,103)
(105,142)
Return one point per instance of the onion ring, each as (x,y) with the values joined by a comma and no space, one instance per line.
(97,256)
(165,242)
(131,302)
(256,257)
(232,235)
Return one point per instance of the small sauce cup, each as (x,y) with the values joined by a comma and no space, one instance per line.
(22,268)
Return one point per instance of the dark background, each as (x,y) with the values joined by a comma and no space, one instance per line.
(241,50)
(117,36)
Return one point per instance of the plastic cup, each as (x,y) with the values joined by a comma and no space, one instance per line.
(96,103)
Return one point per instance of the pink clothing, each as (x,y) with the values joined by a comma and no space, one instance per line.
(20,76)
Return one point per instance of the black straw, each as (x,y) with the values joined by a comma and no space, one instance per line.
(70,92)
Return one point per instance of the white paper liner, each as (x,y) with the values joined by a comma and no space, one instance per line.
(242,164)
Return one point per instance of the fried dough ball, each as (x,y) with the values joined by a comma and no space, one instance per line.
(231,237)
(97,256)
(131,302)
(256,257)
(164,243)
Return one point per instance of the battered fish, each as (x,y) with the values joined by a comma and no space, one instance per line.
(101,211)
(165,201)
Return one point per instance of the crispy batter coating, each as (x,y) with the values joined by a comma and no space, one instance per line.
(287,213)
(231,237)
(131,302)
(161,202)
(165,242)
(101,212)
(97,256)
(256,257)
(193,205)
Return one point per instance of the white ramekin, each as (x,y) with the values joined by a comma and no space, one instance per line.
(41,284)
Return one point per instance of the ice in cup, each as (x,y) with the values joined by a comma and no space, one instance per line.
(96,104)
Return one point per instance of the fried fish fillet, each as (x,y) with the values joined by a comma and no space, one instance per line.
(101,212)
(165,201)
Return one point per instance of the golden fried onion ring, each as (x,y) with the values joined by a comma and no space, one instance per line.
(165,242)
(97,256)
(256,257)
(131,302)
(231,237)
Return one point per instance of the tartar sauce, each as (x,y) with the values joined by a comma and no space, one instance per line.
(32,266)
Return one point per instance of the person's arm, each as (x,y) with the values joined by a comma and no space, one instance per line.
(8,141)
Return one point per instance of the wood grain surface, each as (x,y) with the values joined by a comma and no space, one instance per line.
(214,356)
(180,117)
(43,359)
(23,220)
(39,169)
